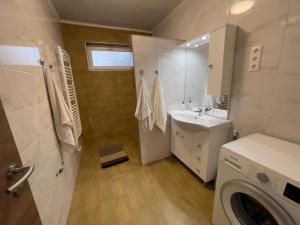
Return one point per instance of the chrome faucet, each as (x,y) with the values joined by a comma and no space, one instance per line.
(199,111)
(206,109)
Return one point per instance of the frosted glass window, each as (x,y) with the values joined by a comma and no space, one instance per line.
(110,58)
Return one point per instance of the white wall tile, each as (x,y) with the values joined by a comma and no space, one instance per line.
(33,25)
(28,124)
(283,118)
(150,54)
(16,89)
(260,100)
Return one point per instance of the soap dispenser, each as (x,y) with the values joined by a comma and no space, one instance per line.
(183,106)
(189,104)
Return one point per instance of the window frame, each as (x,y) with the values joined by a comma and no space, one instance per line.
(107,47)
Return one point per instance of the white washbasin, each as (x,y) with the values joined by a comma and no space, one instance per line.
(193,118)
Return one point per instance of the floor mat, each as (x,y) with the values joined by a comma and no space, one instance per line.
(112,155)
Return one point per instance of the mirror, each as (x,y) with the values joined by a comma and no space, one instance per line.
(196,79)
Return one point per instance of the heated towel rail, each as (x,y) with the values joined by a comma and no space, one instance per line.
(69,91)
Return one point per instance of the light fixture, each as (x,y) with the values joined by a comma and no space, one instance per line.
(204,37)
(241,6)
(196,45)
(188,45)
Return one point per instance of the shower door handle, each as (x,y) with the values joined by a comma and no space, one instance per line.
(12,171)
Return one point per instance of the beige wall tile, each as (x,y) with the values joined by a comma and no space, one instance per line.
(32,26)
(283,117)
(259,100)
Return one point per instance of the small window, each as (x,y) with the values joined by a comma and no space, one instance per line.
(109,57)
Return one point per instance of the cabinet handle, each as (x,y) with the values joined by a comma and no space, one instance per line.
(199,146)
(211,66)
(199,158)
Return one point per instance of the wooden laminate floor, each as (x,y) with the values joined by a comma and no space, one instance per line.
(161,193)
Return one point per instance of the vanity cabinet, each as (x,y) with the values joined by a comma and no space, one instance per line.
(220,60)
(198,148)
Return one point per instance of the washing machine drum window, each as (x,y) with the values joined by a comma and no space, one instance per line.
(245,204)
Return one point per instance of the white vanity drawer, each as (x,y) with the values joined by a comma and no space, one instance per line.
(198,171)
(200,148)
(197,161)
(200,140)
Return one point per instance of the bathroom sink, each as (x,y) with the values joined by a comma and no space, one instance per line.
(195,120)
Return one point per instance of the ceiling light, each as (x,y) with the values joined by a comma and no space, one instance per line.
(241,6)
(204,38)
(188,45)
(196,45)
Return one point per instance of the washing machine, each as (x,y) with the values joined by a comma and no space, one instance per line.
(258,182)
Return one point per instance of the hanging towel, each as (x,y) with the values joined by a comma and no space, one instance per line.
(219,99)
(61,113)
(159,107)
(144,112)
(208,100)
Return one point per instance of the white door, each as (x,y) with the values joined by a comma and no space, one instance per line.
(176,140)
(186,154)
(215,61)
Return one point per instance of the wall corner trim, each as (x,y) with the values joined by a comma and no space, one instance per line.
(103,26)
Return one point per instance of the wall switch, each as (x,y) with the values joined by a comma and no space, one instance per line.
(255,58)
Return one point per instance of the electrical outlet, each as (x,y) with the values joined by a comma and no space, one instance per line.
(255,58)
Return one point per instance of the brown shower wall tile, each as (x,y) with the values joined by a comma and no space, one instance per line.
(106,99)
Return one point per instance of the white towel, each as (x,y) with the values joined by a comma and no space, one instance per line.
(219,99)
(61,113)
(159,107)
(208,100)
(144,112)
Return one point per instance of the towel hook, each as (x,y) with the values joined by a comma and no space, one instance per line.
(42,62)
(142,72)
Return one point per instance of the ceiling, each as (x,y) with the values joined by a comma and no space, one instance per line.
(136,14)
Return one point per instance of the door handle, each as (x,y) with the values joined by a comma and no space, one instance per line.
(12,171)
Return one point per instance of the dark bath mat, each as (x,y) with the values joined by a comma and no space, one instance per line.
(112,155)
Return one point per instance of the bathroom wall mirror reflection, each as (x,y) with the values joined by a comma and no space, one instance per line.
(196,80)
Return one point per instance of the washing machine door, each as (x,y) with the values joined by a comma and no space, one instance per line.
(245,204)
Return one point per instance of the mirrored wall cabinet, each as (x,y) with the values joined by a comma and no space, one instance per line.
(208,71)
(220,60)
